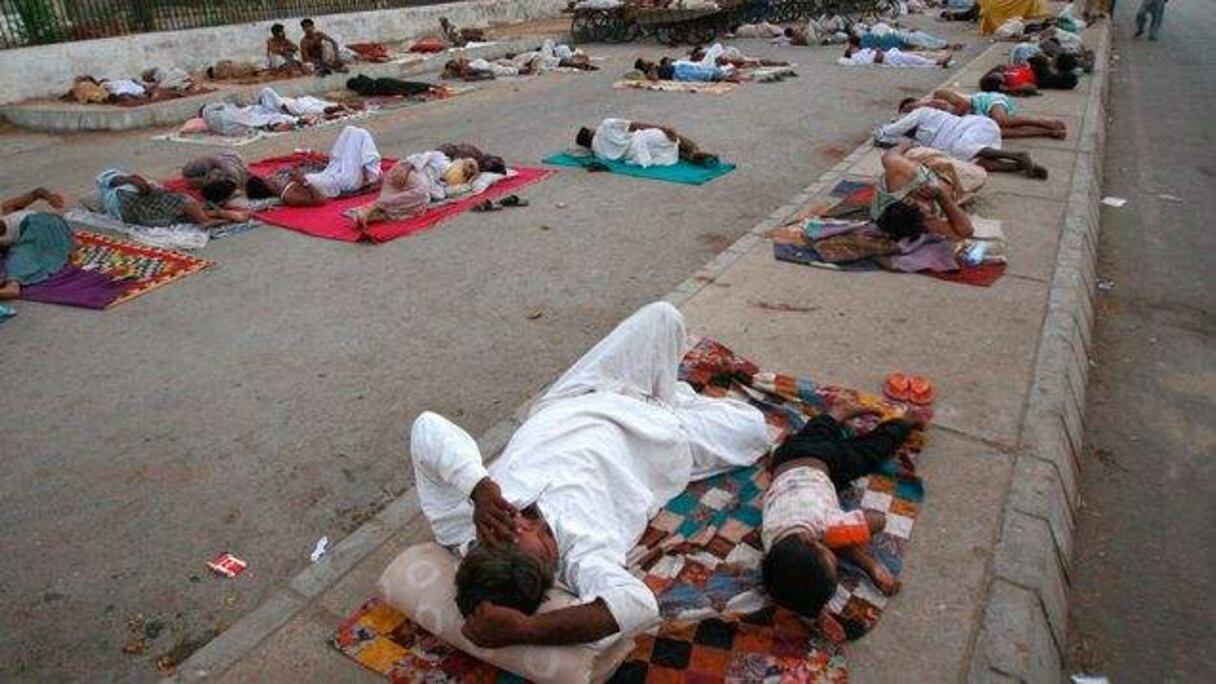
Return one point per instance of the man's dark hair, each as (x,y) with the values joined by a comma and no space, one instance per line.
(902,220)
(506,577)
(642,65)
(218,191)
(256,188)
(493,164)
(584,137)
(854,40)
(306,23)
(992,82)
(905,102)
(276,29)
(797,577)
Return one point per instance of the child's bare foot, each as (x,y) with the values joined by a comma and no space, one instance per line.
(887,583)
(875,520)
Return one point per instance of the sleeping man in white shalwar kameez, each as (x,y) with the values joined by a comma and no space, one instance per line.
(615,439)
(641,144)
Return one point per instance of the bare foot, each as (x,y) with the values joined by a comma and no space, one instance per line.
(1059,134)
(875,520)
(887,583)
(10,289)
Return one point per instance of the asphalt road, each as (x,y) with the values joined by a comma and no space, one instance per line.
(1145,572)
(265,402)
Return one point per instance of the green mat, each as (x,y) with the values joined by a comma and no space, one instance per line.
(683,172)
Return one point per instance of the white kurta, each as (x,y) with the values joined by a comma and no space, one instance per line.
(648,147)
(124,86)
(432,164)
(890,58)
(226,118)
(962,137)
(306,105)
(354,162)
(601,453)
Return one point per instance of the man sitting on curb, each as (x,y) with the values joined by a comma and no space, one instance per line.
(614,439)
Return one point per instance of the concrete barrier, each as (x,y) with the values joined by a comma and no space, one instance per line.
(1024,632)
(48,70)
(69,117)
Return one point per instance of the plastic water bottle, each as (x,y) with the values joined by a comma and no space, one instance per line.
(974,256)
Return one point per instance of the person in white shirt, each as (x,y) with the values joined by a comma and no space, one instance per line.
(354,164)
(641,144)
(601,453)
(856,55)
(970,138)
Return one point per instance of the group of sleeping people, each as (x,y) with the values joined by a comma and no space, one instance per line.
(548,56)
(525,521)
(227,185)
(704,65)
(941,148)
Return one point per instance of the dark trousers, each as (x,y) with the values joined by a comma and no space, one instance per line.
(847,458)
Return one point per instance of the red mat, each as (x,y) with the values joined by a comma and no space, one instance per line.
(982,275)
(328,221)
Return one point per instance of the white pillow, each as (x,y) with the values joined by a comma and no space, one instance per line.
(421,582)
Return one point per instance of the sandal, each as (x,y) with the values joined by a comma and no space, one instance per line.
(513,201)
(486,206)
(920,391)
(898,387)
(595,167)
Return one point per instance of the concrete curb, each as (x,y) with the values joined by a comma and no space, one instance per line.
(243,637)
(73,118)
(1023,633)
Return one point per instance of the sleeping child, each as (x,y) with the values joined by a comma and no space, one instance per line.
(804,528)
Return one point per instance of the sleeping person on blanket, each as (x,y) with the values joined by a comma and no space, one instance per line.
(641,144)
(686,71)
(856,55)
(353,166)
(804,529)
(448,171)
(614,440)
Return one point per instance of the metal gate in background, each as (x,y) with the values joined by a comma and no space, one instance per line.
(38,22)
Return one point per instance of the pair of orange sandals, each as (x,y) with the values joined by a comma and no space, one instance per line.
(910,389)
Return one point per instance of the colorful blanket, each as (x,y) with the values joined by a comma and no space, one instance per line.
(850,200)
(330,221)
(683,172)
(103,272)
(701,557)
(714,88)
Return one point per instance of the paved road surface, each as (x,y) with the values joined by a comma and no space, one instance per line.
(1145,571)
(262,404)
